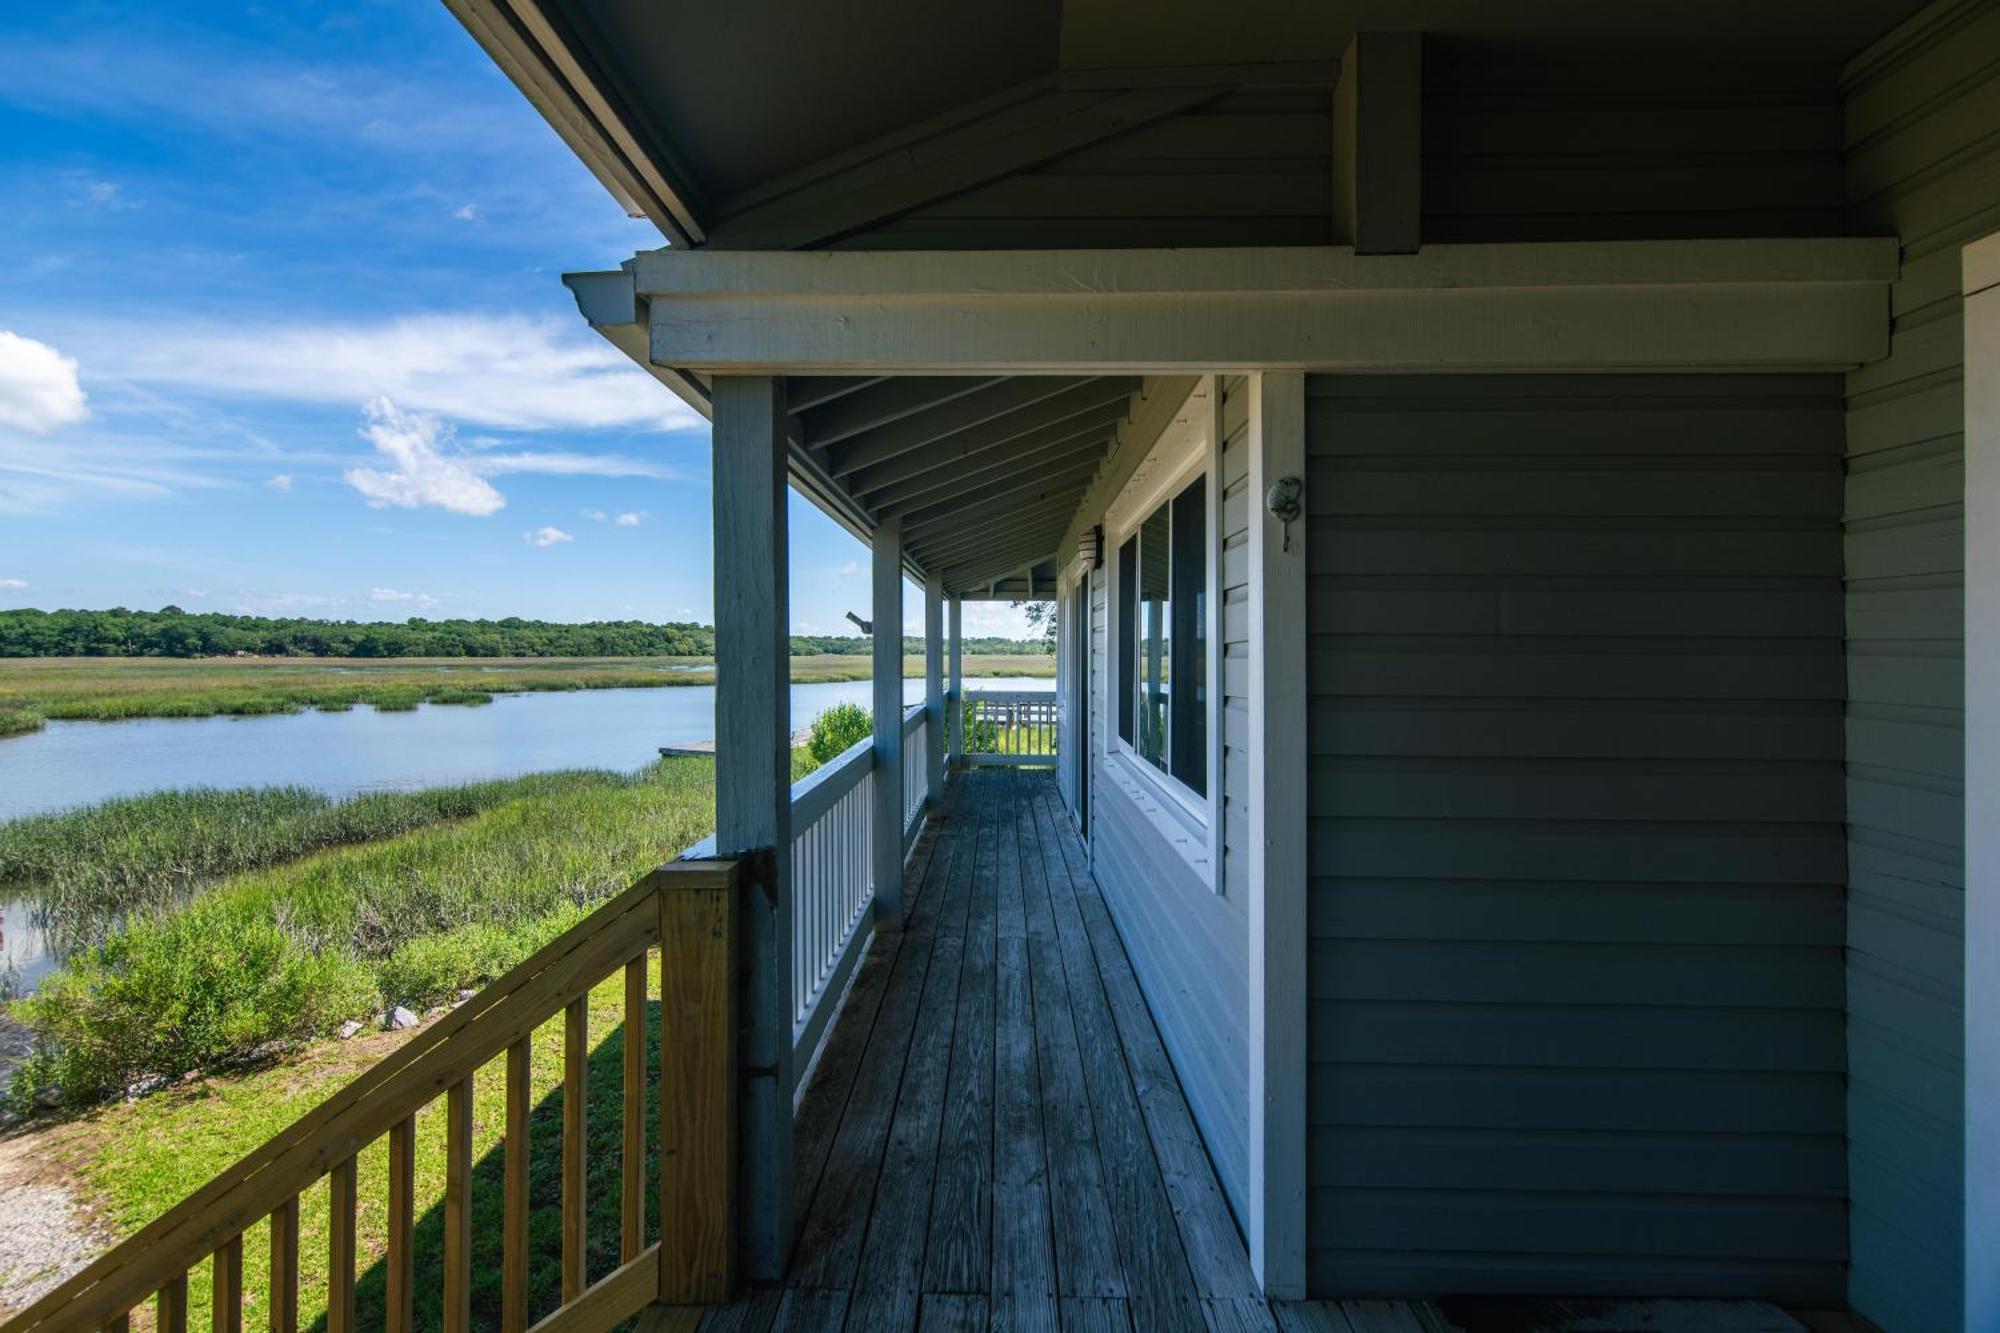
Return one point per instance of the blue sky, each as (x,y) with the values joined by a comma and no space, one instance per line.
(281,331)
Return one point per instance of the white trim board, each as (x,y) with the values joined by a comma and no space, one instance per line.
(1614,305)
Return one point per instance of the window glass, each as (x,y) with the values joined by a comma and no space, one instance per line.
(1155,602)
(1163,577)
(1188,669)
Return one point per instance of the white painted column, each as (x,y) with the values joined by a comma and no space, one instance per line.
(888,621)
(957,683)
(1277,869)
(1982,783)
(934,686)
(753,807)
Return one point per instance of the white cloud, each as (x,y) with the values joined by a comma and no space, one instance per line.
(629,520)
(594,515)
(496,370)
(561,463)
(281,482)
(261,603)
(466,212)
(390,595)
(13,585)
(423,472)
(38,385)
(546,537)
(849,570)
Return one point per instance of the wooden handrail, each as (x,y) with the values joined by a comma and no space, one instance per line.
(684,906)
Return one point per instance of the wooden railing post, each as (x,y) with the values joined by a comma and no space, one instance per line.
(698,1082)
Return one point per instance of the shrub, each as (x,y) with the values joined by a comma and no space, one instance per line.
(197,990)
(837,728)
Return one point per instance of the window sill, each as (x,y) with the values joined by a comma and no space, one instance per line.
(1175,825)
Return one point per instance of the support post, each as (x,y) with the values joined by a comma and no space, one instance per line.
(1277,842)
(888,621)
(957,683)
(1981,262)
(934,687)
(698,914)
(753,800)
(1378,144)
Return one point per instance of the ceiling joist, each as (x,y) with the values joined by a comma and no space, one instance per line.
(950,457)
(992,466)
(993,405)
(881,404)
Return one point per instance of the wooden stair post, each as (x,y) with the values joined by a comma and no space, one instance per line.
(698,1090)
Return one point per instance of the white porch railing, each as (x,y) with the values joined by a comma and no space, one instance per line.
(1010,727)
(916,772)
(833,882)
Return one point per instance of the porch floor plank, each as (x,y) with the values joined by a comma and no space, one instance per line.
(993,1138)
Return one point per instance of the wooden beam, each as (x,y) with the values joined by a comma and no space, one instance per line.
(951,164)
(887,615)
(945,461)
(976,530)
(805,392)
(1378,144)
(924,515)
(880,404)
(753,805)
(974,575)
(978,416)
(932,485)
(1018,540)
(1627,305)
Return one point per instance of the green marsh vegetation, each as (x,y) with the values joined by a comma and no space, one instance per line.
(329,912)
(106,689)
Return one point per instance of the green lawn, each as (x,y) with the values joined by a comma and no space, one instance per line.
(135,1160)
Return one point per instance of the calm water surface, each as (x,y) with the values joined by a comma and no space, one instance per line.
(342,754)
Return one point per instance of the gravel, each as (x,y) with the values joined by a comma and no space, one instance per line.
(46,1238)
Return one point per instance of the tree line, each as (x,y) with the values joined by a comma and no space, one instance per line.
(172,632)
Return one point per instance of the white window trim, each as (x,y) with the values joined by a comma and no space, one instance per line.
(1189,447)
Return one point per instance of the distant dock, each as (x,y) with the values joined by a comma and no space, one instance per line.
(708,747)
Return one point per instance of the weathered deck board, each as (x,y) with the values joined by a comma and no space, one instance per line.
(993,1138)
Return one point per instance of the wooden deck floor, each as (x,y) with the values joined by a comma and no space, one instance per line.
(994,1137)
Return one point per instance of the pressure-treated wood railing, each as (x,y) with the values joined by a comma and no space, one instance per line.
(687,910)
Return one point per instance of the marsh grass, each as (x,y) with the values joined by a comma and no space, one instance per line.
(88,869)
(104,689)
(20,721)
(278,956)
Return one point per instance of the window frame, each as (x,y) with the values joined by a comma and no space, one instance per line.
(1188,449)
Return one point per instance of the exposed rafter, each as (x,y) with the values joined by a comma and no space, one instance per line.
(880,404)
(810,391)
(1029,486)
(994,407)
(943,482)
(958,454)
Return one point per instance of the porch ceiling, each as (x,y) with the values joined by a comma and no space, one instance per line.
(984,471)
